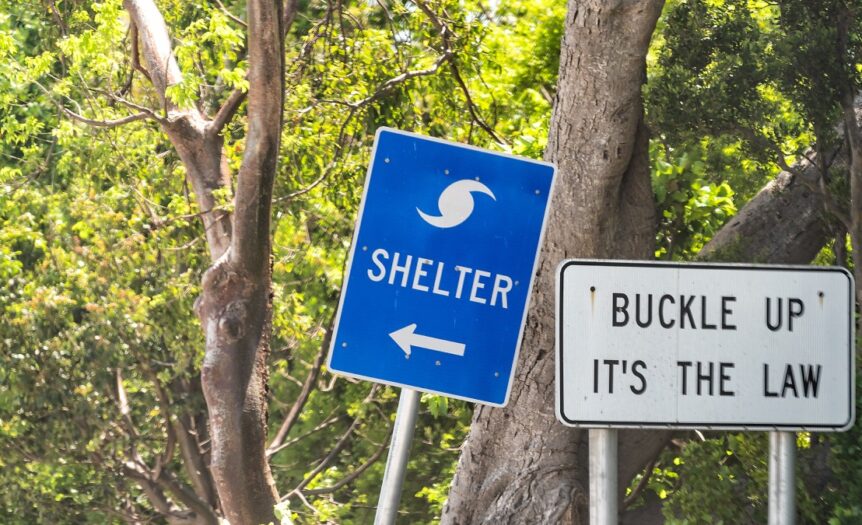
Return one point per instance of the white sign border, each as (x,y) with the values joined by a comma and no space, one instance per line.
(558,350)
(353,243)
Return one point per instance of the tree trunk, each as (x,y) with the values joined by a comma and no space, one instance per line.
(236,304)
(235,307)
(519,465)
(785,223)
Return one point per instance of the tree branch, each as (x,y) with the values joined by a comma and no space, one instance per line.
(305,392)
(227,111)
(798,171)
(644,481)
(104,123)
(190,453)
(183,494)
(157,49)
(289,12)
(250,242)
(446,34)
(136,54)
(327,423)
(349,478)
(227,13)
(339,446)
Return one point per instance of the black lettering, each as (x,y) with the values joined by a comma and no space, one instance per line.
(595,376)
(640,376)
(684,365)
(724,377)
(620,309)
(810,380)
(685,310)
(611,363)
(643,324)
(703,324)
(794,312)
(766,392)
(701,377)
(789,382)
(661,311)
(725,312)
(769,324)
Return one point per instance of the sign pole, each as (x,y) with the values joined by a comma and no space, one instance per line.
(782,478)
(399,453)
(603,476)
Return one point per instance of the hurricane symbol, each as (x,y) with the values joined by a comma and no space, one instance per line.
(456,203)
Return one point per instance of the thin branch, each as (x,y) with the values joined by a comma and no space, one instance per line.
(305,393)
(289,12)
(182,493)
(339,446)
(447,34)
(349,478)
(472,105)
(123,404)
(230,15)
(136,54)
(154,493)
(104,123)
(326,423)
(324,463)
(636,492)
(393,82)
(227,111)
(190,453)
(64,29)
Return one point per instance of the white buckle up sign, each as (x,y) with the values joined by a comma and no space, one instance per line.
(704,346)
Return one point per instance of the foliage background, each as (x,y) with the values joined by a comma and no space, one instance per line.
(101,250)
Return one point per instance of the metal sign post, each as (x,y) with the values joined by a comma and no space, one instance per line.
(399,453)
(603,476)
(782,478)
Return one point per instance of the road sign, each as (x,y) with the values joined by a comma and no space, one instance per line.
(704,346)
(441,267)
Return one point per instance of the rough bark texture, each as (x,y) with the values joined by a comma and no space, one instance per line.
(519,465)
(785,223)
(235,307)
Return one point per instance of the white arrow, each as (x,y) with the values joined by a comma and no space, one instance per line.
(407,337)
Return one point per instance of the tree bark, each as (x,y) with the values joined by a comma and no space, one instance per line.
(519,465)
(235,306)
(785,223)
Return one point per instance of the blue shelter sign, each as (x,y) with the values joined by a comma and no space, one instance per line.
(440,269)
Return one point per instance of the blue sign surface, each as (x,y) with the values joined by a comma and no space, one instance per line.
(441,267)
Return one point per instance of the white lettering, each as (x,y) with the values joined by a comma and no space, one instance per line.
(500,290)
(420,273)
(375,258)
(405,270)
(398,269)
(437,289)
(478,285)
(462,272)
